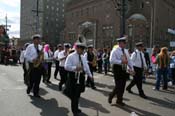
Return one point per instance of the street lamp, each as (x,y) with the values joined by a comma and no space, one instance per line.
(120,5)
(152,22)
(130,29)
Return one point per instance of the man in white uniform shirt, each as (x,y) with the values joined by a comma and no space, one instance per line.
(139,66)
(59,49)
(23,61)
(31,55)
(120,59)
(62,58)
(77,66)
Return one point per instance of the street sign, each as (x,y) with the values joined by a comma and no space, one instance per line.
(171,31)
(172,43)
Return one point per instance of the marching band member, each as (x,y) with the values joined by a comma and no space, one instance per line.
(23,61)
(139,66)
(59,49)
(89,55)
(62,58)
(105,61)
(120,59)
(32,55)
(77,66)
(48,58)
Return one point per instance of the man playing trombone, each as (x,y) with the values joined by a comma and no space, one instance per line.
(77,66)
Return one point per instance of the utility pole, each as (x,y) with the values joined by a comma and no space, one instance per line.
(123,18)
(37,11)
(6,23)
(120,6)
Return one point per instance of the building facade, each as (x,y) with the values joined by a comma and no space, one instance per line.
(95,19)
(99,21)
(49,22)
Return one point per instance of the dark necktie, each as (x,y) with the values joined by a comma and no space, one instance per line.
(48,54)
(123,51)
(80,61)
(37,50)
(141,60)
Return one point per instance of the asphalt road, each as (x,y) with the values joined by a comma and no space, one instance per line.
(15,102)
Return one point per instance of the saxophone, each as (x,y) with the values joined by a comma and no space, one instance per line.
(37,63)
(94,62)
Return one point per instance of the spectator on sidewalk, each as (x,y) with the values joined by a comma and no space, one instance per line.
(105,58)
(162,61)
(172,67)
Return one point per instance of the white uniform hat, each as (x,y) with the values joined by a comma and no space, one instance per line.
(122,39)
(38,36)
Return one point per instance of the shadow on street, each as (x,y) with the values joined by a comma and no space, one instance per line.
(93,105)
(139,112)
(49,107)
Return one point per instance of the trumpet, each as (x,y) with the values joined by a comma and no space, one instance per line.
(78,73)
(124,66)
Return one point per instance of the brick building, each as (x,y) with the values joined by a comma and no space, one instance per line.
(95,19)
(99,22)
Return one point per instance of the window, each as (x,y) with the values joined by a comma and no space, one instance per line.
(81,12)
(142,5)
(87,11)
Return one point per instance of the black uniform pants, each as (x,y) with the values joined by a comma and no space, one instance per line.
(35,78)
(75,99)
(25,73)
(100,66)
(73,89)
(63,76)
(49,71)
(137,80)
(89,80)
(120,77)
(56,68)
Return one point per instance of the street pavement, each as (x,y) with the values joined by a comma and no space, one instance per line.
(15,102)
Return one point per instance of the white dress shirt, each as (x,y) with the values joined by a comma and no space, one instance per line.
(22,56)
(48,56)
(136,59)
(56,54)
(62,55)
(72,62)
(31,53)
(116,57)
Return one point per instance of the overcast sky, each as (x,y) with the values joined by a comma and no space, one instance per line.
(12,9)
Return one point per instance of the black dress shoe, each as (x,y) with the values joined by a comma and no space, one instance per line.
(79,111)
(109,100)
(144,96)
(60,87)
(129,91)
(87,85)
(120,103)
(94,87)
(38,96)
(28,91)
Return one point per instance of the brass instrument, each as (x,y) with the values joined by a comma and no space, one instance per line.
(39,59)
(82,40)
(77,74)
(124,66)
(94,62)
